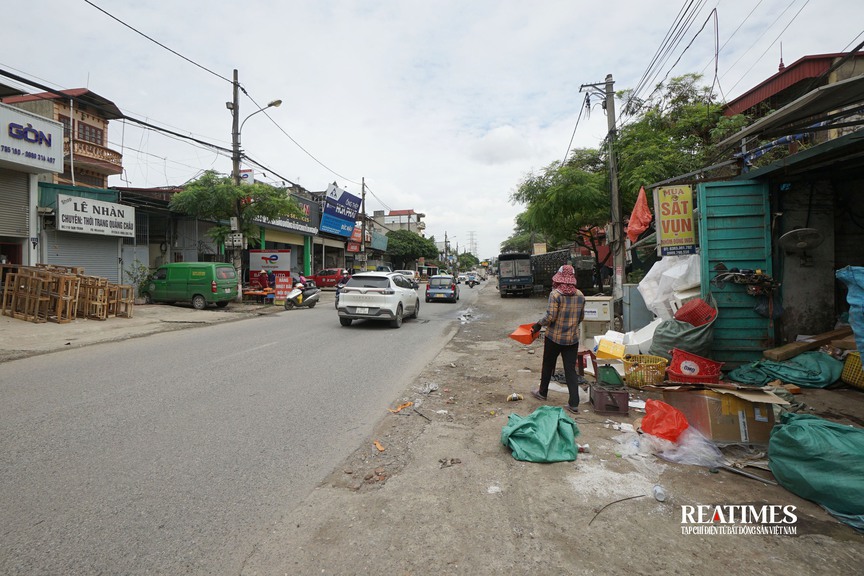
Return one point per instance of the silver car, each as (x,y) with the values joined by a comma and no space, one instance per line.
(378,296)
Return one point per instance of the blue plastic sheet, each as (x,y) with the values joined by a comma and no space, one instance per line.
(853,278)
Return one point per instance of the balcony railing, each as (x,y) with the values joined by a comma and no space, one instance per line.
(95,157)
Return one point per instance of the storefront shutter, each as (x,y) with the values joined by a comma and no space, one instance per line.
(99,255)
(14,199)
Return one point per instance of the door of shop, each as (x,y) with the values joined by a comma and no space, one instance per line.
(735,232)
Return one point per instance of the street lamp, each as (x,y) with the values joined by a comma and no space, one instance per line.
(235,133)
(236,127)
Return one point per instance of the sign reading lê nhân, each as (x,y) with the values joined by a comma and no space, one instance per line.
(76,214)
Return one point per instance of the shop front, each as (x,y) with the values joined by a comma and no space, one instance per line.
(30,145)
(86,230)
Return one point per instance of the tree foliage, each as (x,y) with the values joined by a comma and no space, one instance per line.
(404,247)
(217,198)
(467,261)
(669,133)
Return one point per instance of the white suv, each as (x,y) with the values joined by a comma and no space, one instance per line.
(378,296)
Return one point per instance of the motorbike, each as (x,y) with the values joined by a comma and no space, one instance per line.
(302,295)
(339,288)
(472,282)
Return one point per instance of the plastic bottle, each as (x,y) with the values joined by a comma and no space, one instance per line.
(513,397)
(659,493)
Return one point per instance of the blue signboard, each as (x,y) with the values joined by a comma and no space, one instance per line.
(340,212)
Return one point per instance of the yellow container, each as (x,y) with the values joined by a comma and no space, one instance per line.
(643,369)
(852,373)
(607,349)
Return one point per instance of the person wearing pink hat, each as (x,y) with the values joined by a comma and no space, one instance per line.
(564,313)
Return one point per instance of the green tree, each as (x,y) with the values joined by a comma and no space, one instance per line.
(217,198)
(404,247)
(467,261)
(667,134)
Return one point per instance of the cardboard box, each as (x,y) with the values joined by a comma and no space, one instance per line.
(727,416)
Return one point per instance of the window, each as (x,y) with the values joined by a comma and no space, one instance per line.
(161,274)
(67,125)
(369,282)
(89,133)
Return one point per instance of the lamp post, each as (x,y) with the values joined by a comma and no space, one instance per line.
(236,127)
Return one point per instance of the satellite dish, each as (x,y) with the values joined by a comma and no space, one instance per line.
(800,240)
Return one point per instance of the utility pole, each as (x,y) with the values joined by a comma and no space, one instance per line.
(235,174)
(235,131)
(618,259)
(363,223)
(616,236)
(446,250)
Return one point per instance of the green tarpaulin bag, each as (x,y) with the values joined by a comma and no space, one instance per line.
(809,369)
(545,435)
(822,461)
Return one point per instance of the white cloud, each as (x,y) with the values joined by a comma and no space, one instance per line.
(442,106)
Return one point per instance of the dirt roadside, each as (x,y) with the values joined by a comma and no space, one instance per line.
(444,496)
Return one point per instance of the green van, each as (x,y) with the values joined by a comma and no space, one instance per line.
(200,283)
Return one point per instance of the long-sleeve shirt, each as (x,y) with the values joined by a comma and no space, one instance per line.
(562,318)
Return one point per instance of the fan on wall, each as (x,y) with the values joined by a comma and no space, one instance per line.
(799,241)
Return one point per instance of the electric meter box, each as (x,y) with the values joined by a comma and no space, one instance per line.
(598,308)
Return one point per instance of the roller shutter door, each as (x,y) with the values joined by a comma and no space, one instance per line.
(99,255)
(14,203)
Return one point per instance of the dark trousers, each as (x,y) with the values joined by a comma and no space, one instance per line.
(569,355)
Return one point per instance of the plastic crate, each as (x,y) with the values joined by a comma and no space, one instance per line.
(852,372)
(690,364)
(697,312)
(692,378)
(609,400)
(643,369)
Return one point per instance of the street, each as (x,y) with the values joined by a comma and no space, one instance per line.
(178,452)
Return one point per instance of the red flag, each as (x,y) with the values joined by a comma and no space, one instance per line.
(640,218)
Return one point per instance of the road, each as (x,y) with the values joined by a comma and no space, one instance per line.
(176,453)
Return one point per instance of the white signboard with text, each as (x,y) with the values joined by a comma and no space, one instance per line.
(76,214)
(29,142)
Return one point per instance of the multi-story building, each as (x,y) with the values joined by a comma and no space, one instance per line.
(401,220)
(84,115)
(74,220)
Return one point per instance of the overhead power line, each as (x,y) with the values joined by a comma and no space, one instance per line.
(157,42)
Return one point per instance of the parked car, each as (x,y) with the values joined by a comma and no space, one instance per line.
(443,288)
(378,296)
(200,283)
(328,278)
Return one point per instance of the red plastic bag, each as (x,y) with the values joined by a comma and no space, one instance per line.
(663,420)
(640,218)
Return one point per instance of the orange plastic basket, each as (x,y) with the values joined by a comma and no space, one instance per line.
(523,335)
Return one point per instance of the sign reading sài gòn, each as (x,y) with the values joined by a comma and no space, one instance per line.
(674,209)
(88,216)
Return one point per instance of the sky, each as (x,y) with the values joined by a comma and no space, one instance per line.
(441,106)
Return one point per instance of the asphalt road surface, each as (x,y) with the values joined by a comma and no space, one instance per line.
(177,453)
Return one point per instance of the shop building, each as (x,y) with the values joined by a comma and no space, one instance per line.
(31,147)
(72,220)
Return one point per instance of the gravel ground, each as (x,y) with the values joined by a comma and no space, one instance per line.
(434,491)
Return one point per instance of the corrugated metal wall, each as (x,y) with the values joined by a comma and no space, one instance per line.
(99,255)
(734,230)
(15,198)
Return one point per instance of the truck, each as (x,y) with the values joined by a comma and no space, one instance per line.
(546,265)
(514,274)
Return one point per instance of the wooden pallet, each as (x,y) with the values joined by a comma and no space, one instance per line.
(125,301)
